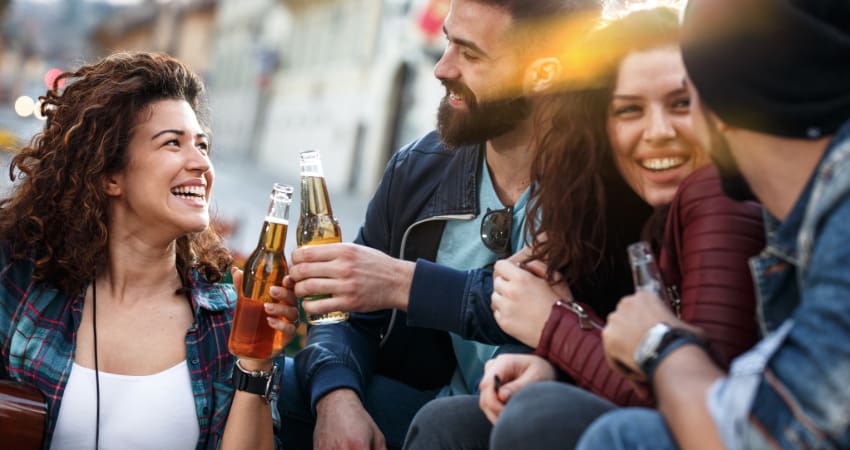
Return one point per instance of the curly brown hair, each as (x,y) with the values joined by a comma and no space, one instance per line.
(57,212)
(576,188)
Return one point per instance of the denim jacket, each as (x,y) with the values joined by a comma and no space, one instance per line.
(793,389)
(425,185)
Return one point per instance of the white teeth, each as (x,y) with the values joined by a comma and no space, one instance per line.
(191,191)
(662,163)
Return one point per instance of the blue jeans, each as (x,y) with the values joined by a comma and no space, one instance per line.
(391,404)
(628,429)
(544,415)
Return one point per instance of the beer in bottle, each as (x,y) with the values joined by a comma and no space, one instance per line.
(317,224)
(251,335)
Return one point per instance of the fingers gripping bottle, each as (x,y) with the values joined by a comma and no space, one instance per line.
(316,225)
(251,335)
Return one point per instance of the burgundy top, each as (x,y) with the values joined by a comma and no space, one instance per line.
(708,240)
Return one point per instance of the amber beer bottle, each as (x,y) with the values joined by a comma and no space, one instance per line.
(317,224)
(251,335)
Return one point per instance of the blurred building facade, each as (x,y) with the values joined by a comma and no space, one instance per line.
(351,78)
(184,29)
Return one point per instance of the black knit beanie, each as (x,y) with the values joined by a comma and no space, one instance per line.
(780,67)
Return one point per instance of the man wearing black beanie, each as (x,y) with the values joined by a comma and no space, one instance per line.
(771,92)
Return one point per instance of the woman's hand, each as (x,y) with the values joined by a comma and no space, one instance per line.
(283,315)
(522,298)
(513,371)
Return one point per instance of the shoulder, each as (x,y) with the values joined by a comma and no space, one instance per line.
(701,193)
(429,150)
(15,273)
(212,296)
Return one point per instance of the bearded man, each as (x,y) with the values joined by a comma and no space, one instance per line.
(416,280)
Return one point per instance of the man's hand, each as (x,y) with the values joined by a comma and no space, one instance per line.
(625,327)
(514,371)
(358,278)
(522,300)
(343,423)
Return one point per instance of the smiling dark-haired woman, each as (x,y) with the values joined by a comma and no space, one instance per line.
(111,301)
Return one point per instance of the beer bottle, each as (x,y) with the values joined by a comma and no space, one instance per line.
(251,336)
(647,275)
(317,224)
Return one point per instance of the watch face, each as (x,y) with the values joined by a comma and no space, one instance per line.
(648,345)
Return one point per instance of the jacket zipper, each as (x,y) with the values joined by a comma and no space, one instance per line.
(675,300)
(401,256)
(584,320)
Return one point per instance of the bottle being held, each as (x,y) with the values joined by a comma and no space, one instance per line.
(251,336)
(647,276)
(317,225)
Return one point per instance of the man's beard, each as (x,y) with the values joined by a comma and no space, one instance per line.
(734,184)
(482,122)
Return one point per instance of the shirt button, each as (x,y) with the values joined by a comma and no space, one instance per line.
(195,361)
(206,410)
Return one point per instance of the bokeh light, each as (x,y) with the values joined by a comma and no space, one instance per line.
(24,106)
(37,111)
(51,76)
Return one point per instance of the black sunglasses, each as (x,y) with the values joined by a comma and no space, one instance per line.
(496,230)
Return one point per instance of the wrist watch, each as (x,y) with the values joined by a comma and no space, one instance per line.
(658,342)
(258,382)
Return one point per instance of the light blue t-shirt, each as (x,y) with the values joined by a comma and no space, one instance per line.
(461,248)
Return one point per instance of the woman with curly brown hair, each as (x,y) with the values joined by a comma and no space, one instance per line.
(110,295)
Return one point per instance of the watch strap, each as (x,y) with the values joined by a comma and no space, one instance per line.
(672,340)
(257,382)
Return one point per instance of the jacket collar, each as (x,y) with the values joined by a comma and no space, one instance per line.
(783,237)
(457,192)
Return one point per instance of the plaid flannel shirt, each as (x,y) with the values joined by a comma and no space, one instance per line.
(38,326)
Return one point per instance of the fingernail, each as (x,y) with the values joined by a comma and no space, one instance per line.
(275,291)
(268,307)
(272,321)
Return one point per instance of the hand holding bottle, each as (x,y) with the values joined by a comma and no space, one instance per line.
(251,335)
(283,312)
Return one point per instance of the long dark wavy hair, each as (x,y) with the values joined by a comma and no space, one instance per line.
(57,212)
(576,188)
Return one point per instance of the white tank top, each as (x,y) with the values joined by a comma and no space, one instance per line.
(136,412)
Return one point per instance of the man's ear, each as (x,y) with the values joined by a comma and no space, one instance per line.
(541,75)
(719,125)
(111,185)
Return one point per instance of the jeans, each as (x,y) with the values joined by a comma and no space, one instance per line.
(628,429)
(545,415)
(391,404)
(449,423)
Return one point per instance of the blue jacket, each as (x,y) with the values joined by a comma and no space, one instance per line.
(793,389)
(424,185)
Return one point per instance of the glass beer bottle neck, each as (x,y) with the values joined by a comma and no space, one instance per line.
(273,236)
(314,197)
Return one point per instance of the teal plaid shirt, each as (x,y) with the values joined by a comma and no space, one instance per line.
(38,326)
